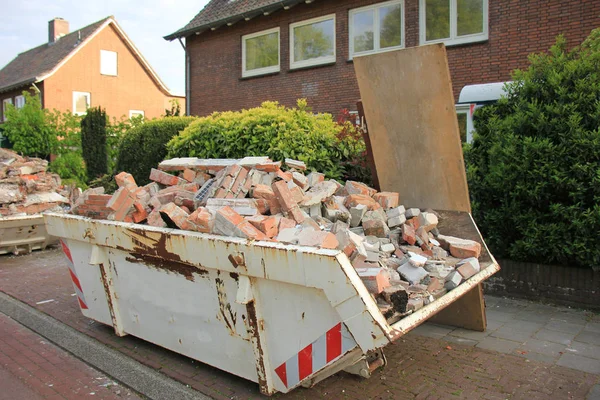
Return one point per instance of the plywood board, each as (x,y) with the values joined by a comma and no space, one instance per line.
(409,106)
(468,312)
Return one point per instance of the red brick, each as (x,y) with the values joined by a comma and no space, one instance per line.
(203,220)
(125,179)
(164,178)
(387,200)
(177,215)
(189,175)
(154,219)
(355,199)
(408,234)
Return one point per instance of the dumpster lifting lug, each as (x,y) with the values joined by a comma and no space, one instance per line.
(366,365)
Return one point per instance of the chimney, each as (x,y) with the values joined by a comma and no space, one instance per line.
(56,28)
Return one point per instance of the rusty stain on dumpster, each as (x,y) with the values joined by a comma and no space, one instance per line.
(170,266)
(253,330)
(226,314)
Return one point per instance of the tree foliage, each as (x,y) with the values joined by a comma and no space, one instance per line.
(93,142)
(271,130)
(534,165)
(144,146)
(28,128)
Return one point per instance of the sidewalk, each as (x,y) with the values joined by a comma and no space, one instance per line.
(33,369)
(433,362)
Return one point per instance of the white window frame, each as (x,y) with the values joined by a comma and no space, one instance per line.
(131,112)
(314,61)
(19,101)
(89,98)
(466,109)
(265,70)
(453,39)
(105,69)
(5,108)
(376,28)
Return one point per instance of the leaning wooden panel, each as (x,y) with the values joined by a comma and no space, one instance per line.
(408,102)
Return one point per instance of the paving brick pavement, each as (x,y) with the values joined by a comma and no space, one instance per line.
(419,367)
(32,369)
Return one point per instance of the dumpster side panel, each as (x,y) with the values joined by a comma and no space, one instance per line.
(303,333)
(86,276)
(193,314)
(23,234)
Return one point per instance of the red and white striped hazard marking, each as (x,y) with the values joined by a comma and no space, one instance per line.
(329,347)
(74,277)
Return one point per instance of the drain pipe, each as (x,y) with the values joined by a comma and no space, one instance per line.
(187,77)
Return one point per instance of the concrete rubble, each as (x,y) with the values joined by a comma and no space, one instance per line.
(27,188)
(403,260)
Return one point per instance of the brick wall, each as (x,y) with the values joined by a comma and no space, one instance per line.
(516,28)
(570,286)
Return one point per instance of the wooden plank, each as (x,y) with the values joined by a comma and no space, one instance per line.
(467,312)
(408,101)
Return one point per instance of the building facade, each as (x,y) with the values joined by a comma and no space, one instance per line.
(238,56)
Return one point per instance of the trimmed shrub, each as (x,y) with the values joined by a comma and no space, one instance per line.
(534,164)
(271,130)
(143,146)
(93,142)
(71,169)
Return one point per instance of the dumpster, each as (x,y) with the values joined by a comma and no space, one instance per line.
(23,234)
(279,315)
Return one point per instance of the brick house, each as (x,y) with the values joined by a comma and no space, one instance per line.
(97,65)
(238,52)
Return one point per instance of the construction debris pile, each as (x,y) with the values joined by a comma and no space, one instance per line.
(399,253)
(26,187)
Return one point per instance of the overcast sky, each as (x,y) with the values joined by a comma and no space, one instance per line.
(24,25)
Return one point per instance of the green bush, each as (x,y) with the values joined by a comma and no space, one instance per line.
(271,130)
(28,128)
(534,165)
(71,169)
(93,142)
(143,146)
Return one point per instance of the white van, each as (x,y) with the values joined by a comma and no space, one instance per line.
(471,98)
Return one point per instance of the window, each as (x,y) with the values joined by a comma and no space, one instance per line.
(464,113)
(453,21)
(260,53)
(377,28)
(81,102)
(108,62)
(312,42)
(136,113)
(5,104)
(19,102)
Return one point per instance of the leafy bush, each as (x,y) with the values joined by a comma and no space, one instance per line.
(271,130)
(71,169)
(93,142)
(28,128)
(143,146)
(534,165)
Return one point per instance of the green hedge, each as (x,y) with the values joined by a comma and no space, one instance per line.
(143,146)
(534,165)
(275,131)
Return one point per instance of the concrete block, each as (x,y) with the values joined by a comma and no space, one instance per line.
(326,240)
(453,279)
(375,227)
(412,212)
(356,214)
(289,235)
(296,164)
(395,212)
(411,273)
(468,267)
